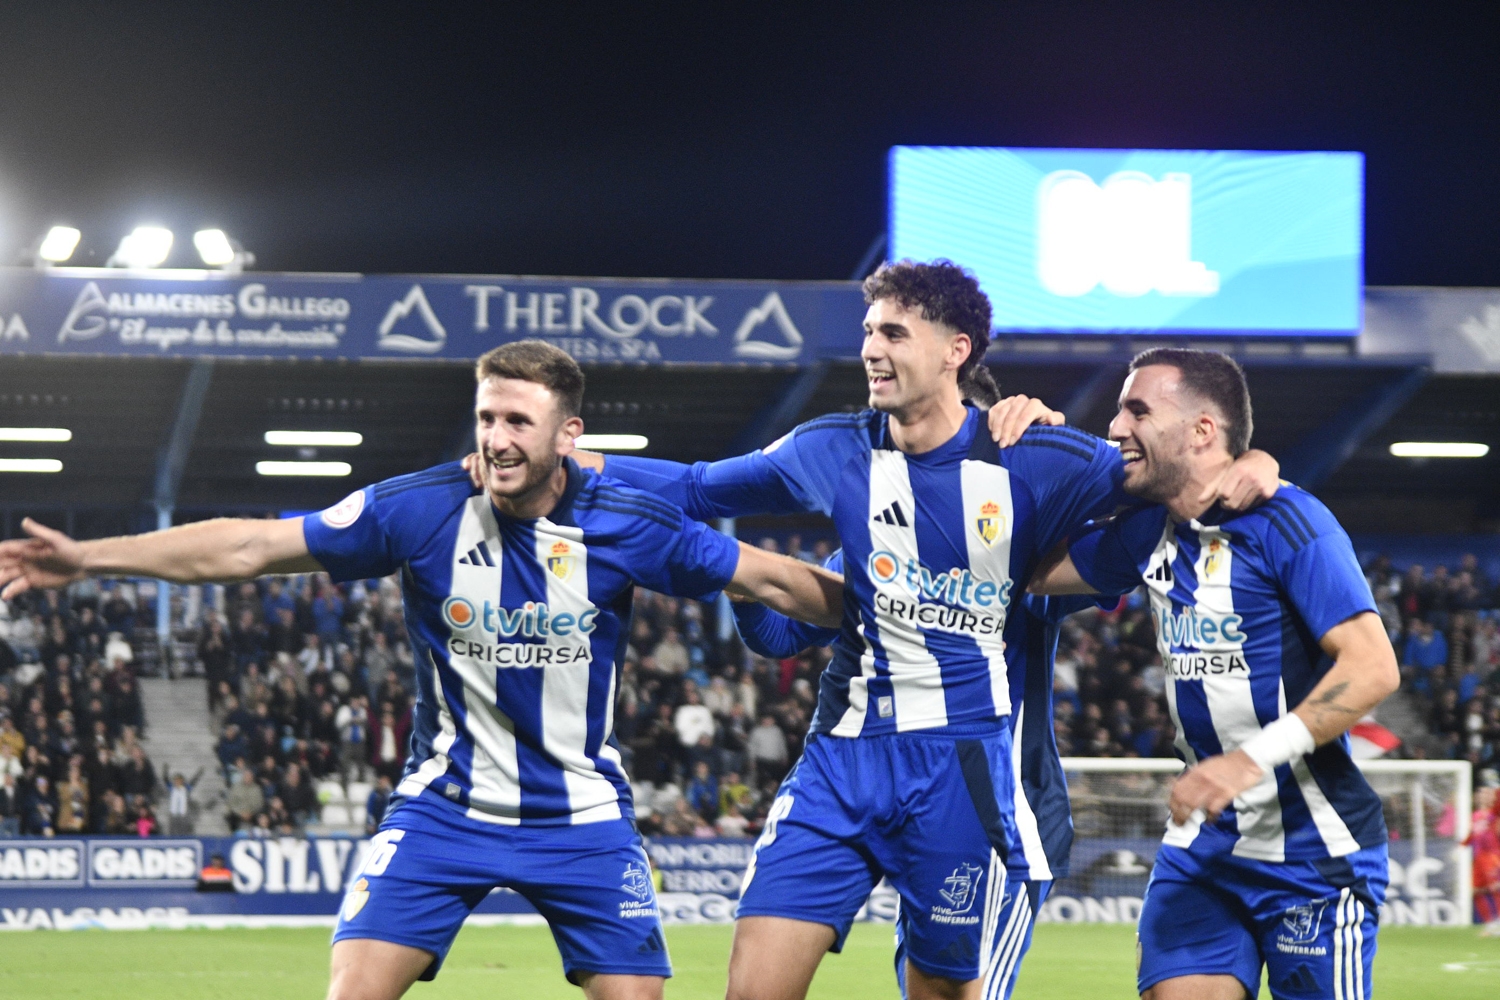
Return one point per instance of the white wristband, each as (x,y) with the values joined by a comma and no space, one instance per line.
(1282,742)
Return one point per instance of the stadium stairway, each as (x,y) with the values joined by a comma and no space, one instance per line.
(180,738)
(1403,715)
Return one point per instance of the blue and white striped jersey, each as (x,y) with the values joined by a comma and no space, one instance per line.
(1043,813)
(935,546)
(1240,602)
(517,629)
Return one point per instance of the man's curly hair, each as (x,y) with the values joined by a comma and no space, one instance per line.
(946,294)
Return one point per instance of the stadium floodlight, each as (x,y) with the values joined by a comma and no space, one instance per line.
(1439,449)
(315,439)
(59,243)
(30,465)
(303,468)
(146,246)
(35,434)
(611,442)
(213,246)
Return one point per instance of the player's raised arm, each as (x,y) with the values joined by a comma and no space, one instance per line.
(217,551)
(797,589)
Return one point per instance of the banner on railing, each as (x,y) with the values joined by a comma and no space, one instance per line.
(455,317)
(123,883)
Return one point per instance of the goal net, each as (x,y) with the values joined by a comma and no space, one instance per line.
(1120,811)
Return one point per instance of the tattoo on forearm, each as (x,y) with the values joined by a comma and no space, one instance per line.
(1326,708)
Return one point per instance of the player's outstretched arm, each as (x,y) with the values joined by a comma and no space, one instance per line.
(217,551)
(1056,575)
(797,589)
(1364,673)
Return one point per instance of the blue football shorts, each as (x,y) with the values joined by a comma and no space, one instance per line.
(933,813)
(430,865)
(1023,899)
(1311,924)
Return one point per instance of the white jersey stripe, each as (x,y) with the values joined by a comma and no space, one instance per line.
(915,674)
(565,686)
(1231,704)
(989,558)
(494,776)
(436,765)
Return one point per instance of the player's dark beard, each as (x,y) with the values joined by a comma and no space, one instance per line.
(538,471)
(1164,476)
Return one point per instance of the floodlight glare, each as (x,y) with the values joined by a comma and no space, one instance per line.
(59,243)
(146,246)
(213,246)
(1439,449)
(303,468)
(315,439)
(35,434)
(30,465)
(611,442)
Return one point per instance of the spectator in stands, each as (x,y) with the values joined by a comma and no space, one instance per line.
(245,801)
(768,750)
(143,817)
(670,654)
(376,804)
(40,808)
(180,806)
(297,796)
(215,656)
(73,799)
(692,719)
(388,742)
(137,775)
(353,724)
(703,792)
(10,805)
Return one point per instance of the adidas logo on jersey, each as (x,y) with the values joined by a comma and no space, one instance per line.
(1161,574)
(892,515)
(479,555)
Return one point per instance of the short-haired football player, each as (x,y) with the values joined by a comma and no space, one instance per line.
(1275,855)
(517,600)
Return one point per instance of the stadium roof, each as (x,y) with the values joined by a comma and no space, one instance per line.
(122,412)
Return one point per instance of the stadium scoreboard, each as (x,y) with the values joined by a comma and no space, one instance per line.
(1114,241)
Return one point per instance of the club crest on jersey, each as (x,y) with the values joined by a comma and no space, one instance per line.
(1300,924)
(1217,550)
(560,560)
(356,898)
(990,523)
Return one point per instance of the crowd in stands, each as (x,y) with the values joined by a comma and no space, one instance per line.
(309,681)
(71,718)
(1445,626)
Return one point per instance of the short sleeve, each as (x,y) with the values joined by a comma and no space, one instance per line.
(1320,575)
(1074,476)
(349,539)
(689,559)
(1111,554)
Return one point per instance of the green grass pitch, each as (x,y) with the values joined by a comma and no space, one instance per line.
(488,962)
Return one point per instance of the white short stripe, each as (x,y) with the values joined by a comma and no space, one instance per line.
(997,956)
(992,901)
(1340,991)
(1014,947)
(1358,956)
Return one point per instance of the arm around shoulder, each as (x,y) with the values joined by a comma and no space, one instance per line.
(796,589)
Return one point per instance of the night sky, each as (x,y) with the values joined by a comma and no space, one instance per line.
(659,141)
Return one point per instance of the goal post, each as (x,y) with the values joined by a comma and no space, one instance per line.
(1120,810)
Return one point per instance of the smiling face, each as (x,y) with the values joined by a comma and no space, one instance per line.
(522,436)
(909,360)
(1154,433)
